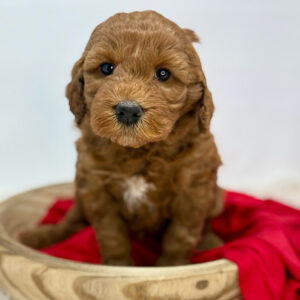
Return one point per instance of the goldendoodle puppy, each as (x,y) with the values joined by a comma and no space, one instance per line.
(147,161)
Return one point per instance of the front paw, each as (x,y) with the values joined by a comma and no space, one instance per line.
(165,261)
(120,261)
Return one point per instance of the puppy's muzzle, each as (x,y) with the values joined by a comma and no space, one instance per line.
(128,112)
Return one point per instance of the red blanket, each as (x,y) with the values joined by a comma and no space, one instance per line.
(261,237)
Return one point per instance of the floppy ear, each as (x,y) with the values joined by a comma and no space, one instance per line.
(75,92)
(206,106)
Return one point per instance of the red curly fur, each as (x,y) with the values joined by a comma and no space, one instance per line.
(170,156)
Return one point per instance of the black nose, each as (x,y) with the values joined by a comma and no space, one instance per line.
(128,112)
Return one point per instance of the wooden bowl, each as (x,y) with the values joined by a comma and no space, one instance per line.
(28,274)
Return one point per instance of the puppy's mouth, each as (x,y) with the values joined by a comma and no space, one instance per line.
(128,124)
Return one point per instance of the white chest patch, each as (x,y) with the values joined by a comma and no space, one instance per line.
(135,191)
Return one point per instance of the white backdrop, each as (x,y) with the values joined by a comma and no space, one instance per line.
(250,52)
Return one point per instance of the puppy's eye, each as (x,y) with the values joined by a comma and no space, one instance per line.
(107,69)
(162,74)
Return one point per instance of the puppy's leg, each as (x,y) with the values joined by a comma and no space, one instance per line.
(179,242)
(113,239)
(47,235)
(111,231)
(210,240)
(184,233)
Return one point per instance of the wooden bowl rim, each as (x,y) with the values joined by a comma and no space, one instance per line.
(13,246)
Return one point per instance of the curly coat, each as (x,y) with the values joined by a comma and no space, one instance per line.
(157,176)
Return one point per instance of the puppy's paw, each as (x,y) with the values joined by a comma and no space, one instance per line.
(209,241)
(165,261)
(124,261)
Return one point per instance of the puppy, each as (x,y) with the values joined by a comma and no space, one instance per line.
(147,161)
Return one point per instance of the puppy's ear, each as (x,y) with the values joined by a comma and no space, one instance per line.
(205,105)
(206,109)
(75,92)
(191,35)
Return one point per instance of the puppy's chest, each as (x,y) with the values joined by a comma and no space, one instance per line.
(140,204)
(136,193)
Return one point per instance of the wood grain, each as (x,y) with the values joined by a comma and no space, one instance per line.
(26,274)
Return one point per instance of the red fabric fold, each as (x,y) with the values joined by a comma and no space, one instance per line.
(261,237)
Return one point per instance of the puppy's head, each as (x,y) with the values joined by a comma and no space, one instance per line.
(139,74)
